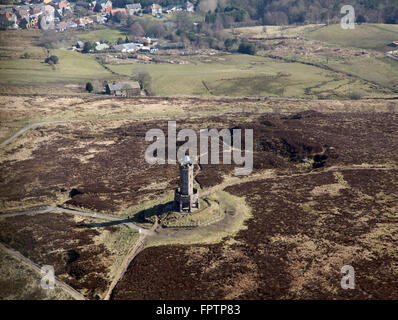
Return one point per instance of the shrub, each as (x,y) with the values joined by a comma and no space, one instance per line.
(52,60)
(89,87)
(144,79)
(355,95)
(88,46)
(247,48)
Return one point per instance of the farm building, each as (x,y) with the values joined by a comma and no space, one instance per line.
(155,9)
(133,8)
(124,89)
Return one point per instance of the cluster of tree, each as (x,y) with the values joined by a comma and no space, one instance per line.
(143,77)
(145,27)
(283,12)
(227,16)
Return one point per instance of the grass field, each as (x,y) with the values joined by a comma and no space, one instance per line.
(365,36)
(273,31)
(383,71)
(72,67)
(239,75)
(108,34)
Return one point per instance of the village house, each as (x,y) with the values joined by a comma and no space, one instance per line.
(126,47)
(188,7)
(98,18)
(103,6)
(23,12)
(61,7)
(61,4)
(62,26)
(9,15)
(82,22)
(155,9)
(71,25)
(133,8)
(37,9)
(49,10)
(101,46)
(121,10)
(171,8)
(124,89)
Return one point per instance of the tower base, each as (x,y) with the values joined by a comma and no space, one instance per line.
(186,202)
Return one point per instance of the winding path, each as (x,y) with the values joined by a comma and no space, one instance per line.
(35,267)
(130,257)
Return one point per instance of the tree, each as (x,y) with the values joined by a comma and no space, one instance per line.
(361,19)
(229,43)
(49,39)
(156,30)
(207,5)
(119,17)
(89,87)
(136,29)
(144,79)
(247,48)
(52,60)
(4,22)
(184,21)
(88,46)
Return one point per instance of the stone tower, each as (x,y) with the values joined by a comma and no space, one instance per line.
(186,197)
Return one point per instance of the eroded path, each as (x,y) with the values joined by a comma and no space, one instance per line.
(15,254)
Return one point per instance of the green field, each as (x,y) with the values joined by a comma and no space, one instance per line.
(241,75)
(72,67)
(383,71)
(365,36)
(109,35)
(378,69)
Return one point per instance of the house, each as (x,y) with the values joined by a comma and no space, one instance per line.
(22,12)
(62,26)
(124,89)
(98,18)
(82,22)
(121,10)
(10,18)
(188,7)
(49,10)
(71,24)
(62,4)
(171,8)
(126,47)
(101,46)
(79,44)
(103,6)
(37,9)
(155,9)
(133,8)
